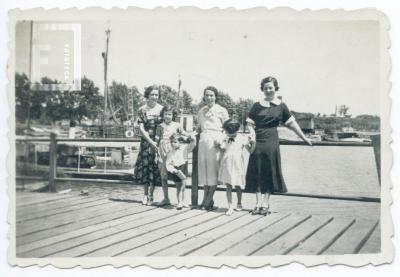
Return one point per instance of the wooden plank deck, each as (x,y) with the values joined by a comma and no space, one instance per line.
(69,225)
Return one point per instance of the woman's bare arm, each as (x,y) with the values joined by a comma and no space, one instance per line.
(146,136)
(294,126)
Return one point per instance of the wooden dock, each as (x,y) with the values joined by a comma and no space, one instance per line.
(69,225)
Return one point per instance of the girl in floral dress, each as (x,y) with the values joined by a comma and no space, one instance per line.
(164,132)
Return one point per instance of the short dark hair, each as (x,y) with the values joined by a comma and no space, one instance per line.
(175,137)
(213,89)
(180,138)
(231,126)
(269,79)
(171,109)
(149,89)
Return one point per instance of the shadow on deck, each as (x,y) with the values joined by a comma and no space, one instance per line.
(69,225)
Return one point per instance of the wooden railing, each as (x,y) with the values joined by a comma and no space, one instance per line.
(54,141)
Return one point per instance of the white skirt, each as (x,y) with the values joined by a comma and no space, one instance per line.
(208,158)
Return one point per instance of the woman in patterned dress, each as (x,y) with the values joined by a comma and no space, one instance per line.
(146,167)
(264,172)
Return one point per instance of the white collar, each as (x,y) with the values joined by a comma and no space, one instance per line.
(266,103)
(156,107)
(213,106)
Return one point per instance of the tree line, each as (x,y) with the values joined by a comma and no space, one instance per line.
(47,107)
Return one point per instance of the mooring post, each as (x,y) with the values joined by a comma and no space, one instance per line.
(376,142)
(195,180)
(53,162)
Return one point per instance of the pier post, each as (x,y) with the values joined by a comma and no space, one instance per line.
(195,180)
(52,162)
(376,142)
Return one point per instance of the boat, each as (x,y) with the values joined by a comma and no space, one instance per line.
(346,136)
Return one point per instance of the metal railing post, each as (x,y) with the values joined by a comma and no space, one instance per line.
(195,180)
(376,143)
(53,162)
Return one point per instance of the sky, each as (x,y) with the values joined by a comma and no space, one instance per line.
(318,64)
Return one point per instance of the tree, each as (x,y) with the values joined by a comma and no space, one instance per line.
(187,103)
(226,101)
(242,108)
(22,90)
(87,102)
(137,99)
(168,97)
(52,105)
(119,95)
(366,122)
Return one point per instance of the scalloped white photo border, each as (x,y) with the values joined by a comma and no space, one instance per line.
(387,247)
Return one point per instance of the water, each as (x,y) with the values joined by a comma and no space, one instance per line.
(333,170)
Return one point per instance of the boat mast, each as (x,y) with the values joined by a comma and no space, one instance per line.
(105,59)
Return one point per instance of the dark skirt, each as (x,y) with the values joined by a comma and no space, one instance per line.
(174,178)
(264,171)
(146,168)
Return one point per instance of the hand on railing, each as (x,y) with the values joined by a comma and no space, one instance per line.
(308,141)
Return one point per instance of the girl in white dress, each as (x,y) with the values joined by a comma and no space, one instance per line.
(232,171)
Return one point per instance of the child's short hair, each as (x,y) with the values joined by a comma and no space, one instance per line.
(170,109)
(175,137)
(179,137)
(231,126)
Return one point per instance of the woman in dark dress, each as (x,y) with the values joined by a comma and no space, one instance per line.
(146,167)
(264,172)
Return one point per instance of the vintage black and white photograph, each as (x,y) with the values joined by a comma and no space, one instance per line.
(199,137)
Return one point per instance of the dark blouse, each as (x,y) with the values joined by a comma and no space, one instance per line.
(269,117)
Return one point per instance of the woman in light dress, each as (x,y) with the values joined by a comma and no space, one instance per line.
(211,118)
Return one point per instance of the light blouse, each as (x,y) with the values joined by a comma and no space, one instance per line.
(212,119)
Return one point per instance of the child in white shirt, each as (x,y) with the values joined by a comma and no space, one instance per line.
(177,164)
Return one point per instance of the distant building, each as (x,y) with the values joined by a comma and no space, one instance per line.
(186,121)
(341,111)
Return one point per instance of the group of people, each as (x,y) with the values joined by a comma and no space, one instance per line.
(249,162)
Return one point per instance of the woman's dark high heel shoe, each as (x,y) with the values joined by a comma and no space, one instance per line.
(210,207)
(202,206)
(264,211)
(255,211)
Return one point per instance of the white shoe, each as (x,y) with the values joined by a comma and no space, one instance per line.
(145,200)
(239,208)
(179,206)
(229,211)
